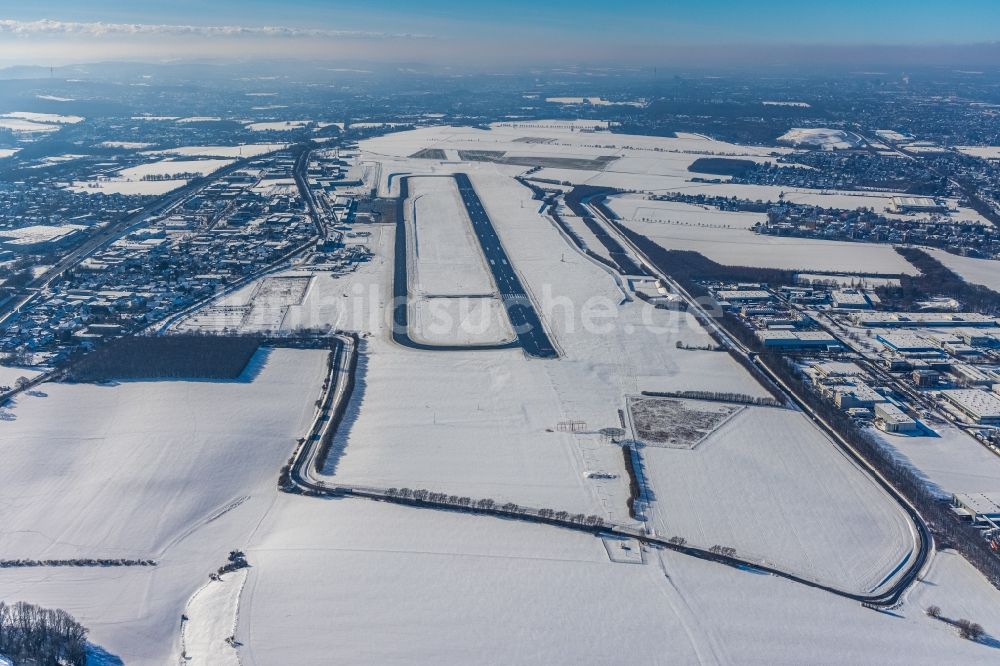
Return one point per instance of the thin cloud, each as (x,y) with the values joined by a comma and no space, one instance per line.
(48,27)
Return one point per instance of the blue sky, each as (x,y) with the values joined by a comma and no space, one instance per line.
(543,29)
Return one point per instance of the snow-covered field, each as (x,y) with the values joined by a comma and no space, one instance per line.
(277,126)
(244,151)
(45,117)
(169,174)
(448,588)
(19,125)
(725,237)
(977,271)
(177,471)
(124,476)
(770,485)
(169,167)
(212,614)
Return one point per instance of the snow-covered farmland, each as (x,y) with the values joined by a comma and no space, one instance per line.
(177,471)
(152,178)
(726,238)
(452,589)
(126,475)
(277,126)
(241,151)
(21,126)
(977,271)
(54,118)
(770,485)
(166,168)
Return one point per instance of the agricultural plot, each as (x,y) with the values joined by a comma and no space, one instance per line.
(176,471)
(674,423)
(977,271)
(158,177)
(770,485)
(452,587)
(725,237)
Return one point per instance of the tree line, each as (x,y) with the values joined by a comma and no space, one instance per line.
(716,396)
(169,356)
(936,279)
(31,634)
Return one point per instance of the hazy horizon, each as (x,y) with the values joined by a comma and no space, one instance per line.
(491,35)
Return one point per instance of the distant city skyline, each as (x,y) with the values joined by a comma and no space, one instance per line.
(511,33)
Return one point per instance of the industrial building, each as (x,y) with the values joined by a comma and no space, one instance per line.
(792,340)
(917,205)
(921,319)
(855,395)
(891,418)
(743,296)
(980,407)
(978,507)
(39,237)
(907,343)
(850,299)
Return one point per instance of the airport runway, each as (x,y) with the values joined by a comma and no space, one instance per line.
(521,312)
(527,326)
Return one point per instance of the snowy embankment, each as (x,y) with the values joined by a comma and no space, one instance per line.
(207,637)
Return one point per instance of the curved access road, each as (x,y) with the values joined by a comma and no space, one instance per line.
(304,477)
(924,541)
